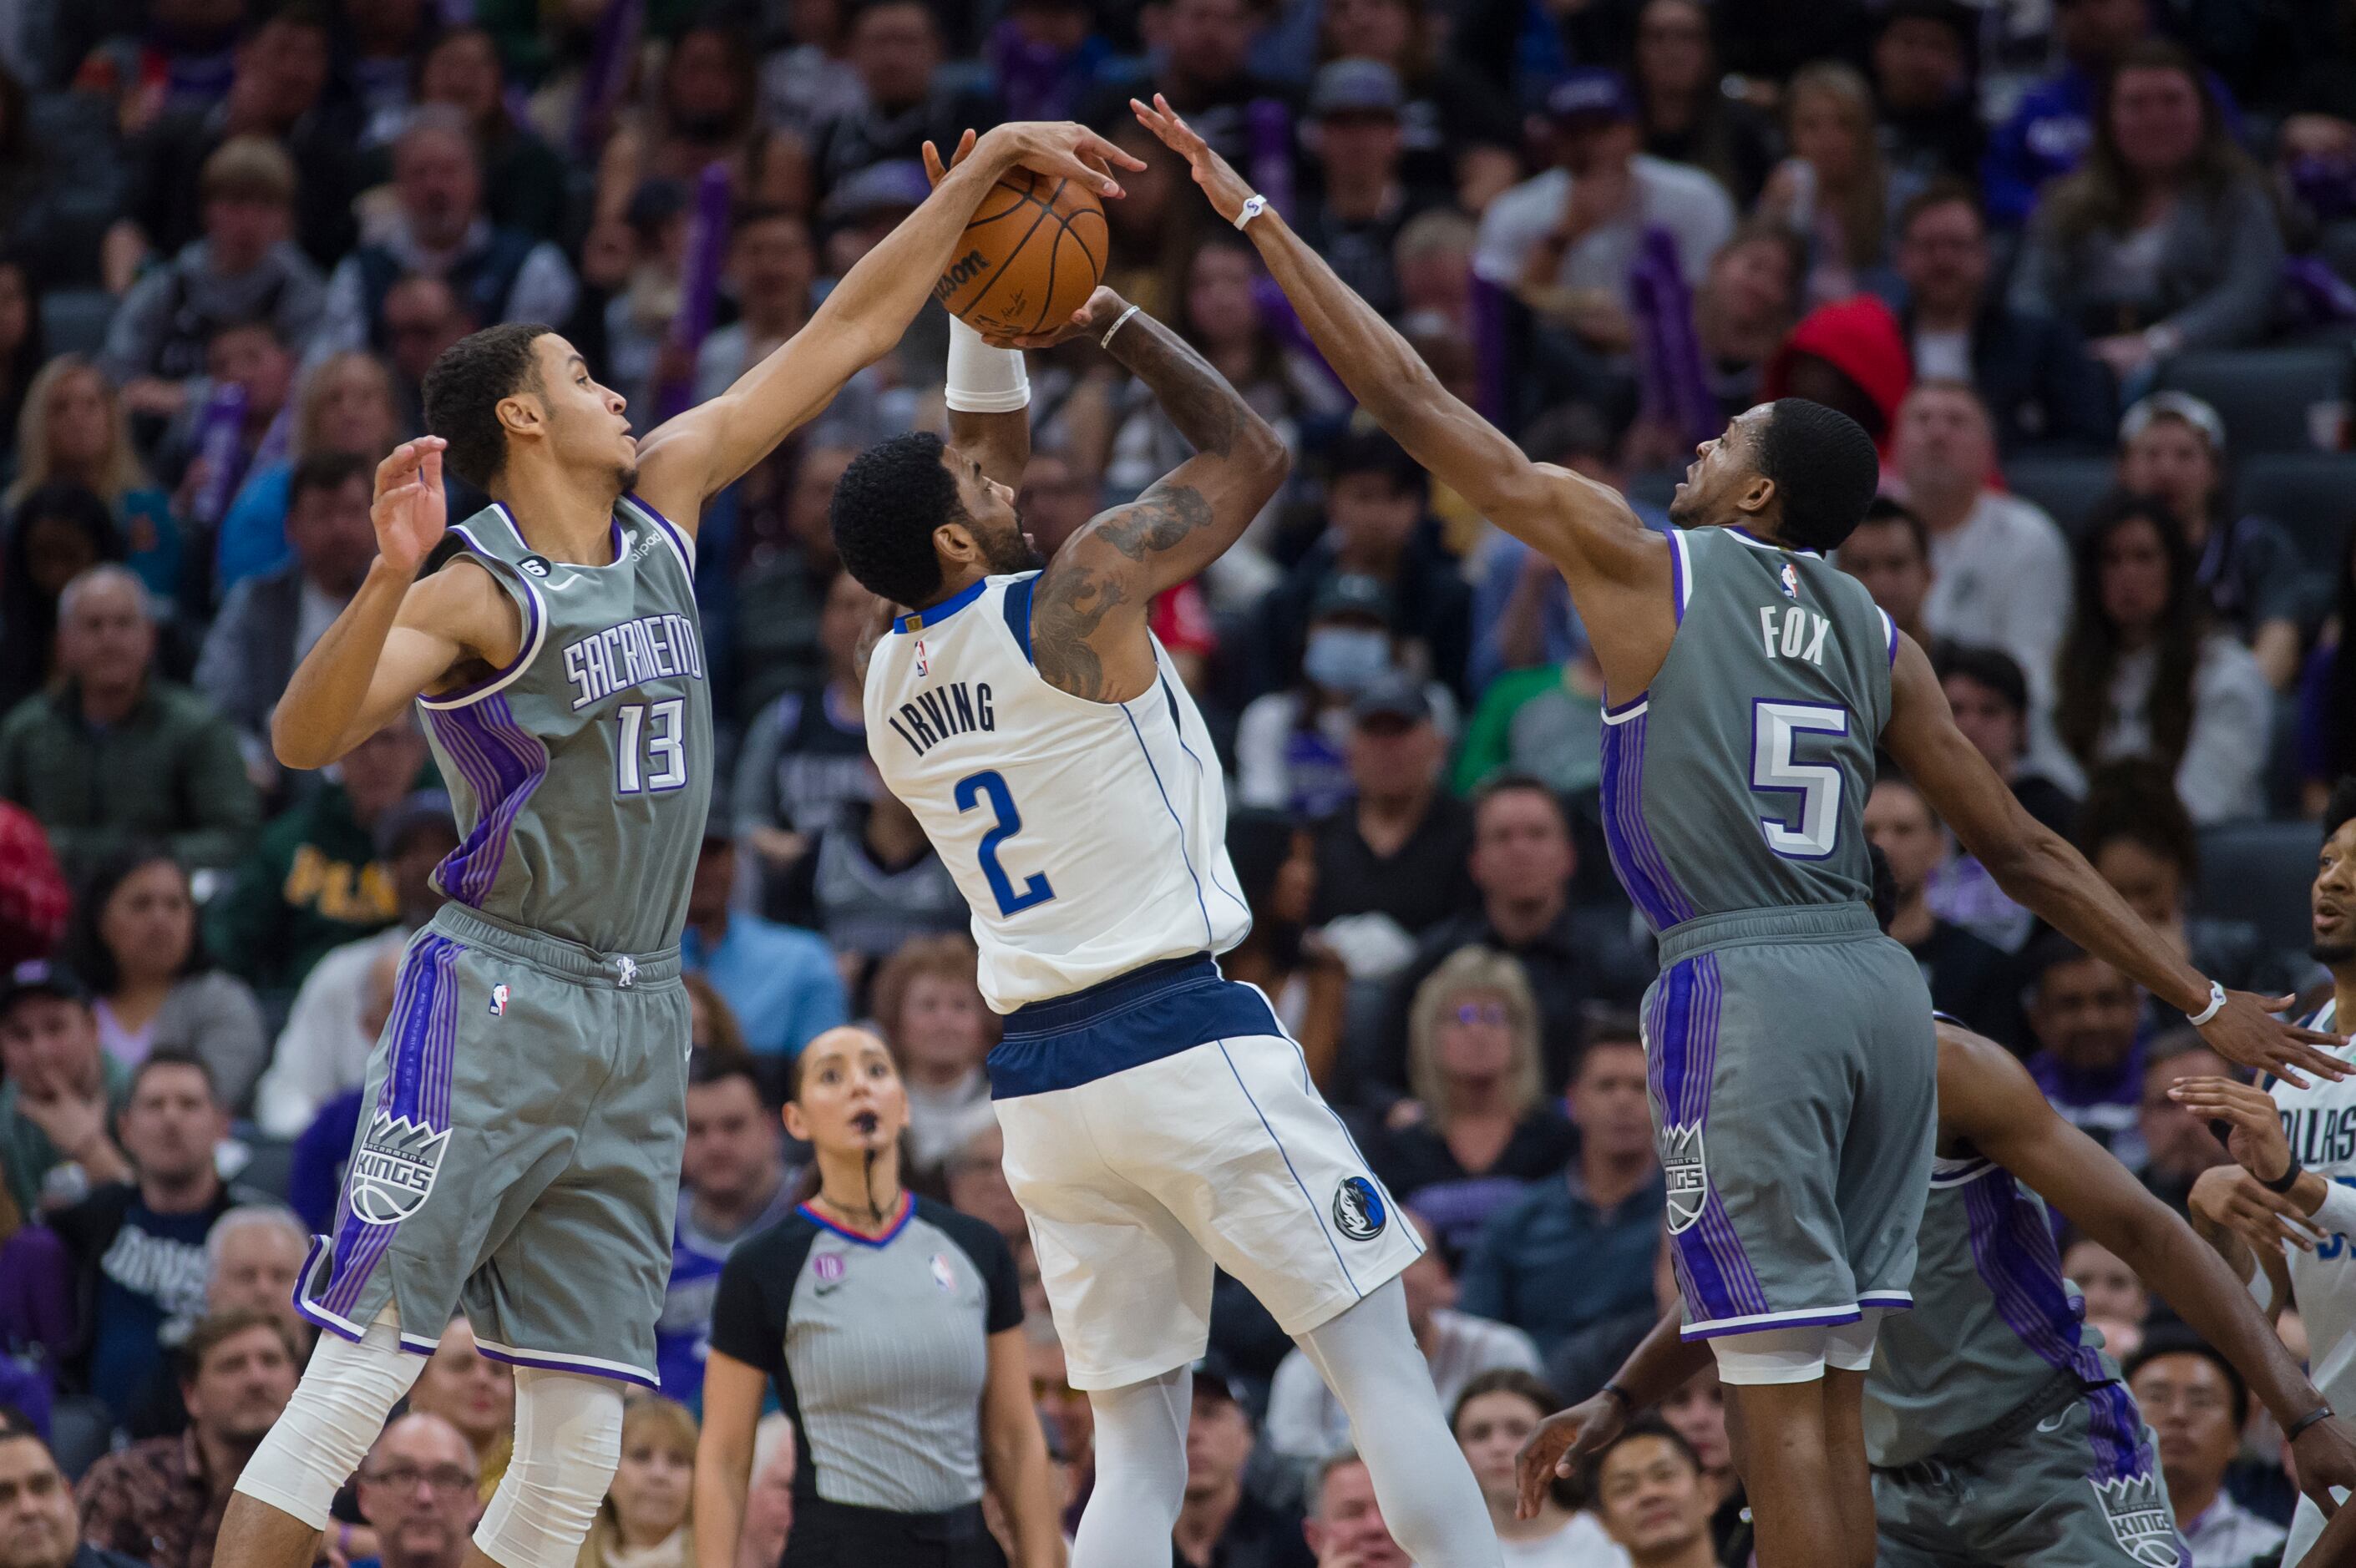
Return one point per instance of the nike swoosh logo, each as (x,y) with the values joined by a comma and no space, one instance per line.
(568,577)
(2053,1423)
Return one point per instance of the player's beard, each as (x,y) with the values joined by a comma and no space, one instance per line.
(2333,956)
(1010,553)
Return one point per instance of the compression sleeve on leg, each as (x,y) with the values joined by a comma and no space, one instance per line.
(1141,1445)
(334,1417)
(568,1438)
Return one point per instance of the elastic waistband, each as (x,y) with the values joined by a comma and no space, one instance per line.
(961,1523)
(1800,922)
(1081,1008)
(567,960)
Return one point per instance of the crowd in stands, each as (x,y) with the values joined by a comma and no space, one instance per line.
(2086,272)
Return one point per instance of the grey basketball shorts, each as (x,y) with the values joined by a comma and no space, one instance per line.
(518,1152)
(1794,1077)
(2080,1490)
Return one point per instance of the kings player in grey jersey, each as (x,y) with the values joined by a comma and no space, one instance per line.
(525,1108)
(1788,1041)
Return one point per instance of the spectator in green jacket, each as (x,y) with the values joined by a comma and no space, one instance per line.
(113,753)
(315,880)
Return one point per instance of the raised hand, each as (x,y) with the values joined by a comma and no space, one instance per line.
(2256,1140)
(1227,189)
(1562,1441)
(936,170)
(410,512)
(1097,317)
(2231,1199)
(2324,1456)
(1057,147)
(2246,1032)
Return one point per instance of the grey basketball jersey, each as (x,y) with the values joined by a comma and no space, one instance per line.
(1994,1322)
(1738,780)
(582,771)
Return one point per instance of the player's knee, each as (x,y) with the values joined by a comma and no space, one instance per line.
(568,1442)
(337,1412)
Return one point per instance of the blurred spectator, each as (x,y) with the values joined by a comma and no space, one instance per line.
(36,1509)
(2083,1013)
(975,1180)
(703,113)
(1480,1126)
(781,983)
(162,1498)
(2119,1304)
(58,531)
(1576,1253)
(1433,258)
(250,356)
(1047,58)
(2167,239)
(895,52)
(1291,747)
(417,1491)
(1521,611)
(2031,371)
(138,1246)
(112,753)
(871,883)
(1154,227)
(323,1147)
(246,266)
(60,1094)
(1378,499)
(382,41)
(1688,118)
(1848,355)
(1565,240)
(643,1521)
(523,178)
(34,898)
(928,1004)
(1221,1523)
(2001,570)
(1696,1413)
(1202,66)
(2177,1144)
(2198,1404)
(1494,1414)
(134,944)
(1275,860)
(315,877)
(1355,107)
(2327,696)
(1522,863)
(732,1183)
(1989,696)
(1654,1498)
(1305,1422)
(438,227)
(1457,136)
(769,1499)
(775,645)
(323,1052)
(1742,312)
(59,184)
(1832,190)
(280,89)
(772,265)
(270,621)
(1396,856)
(2249,571)
(21,349)
(423,316)
(804,756)
(74,430)
(1889,552)
(178,61)
(1967,976)
(474,1393)
(1924,67)
(2140,677)
(346,409)
(1344,1527)
(253,1256)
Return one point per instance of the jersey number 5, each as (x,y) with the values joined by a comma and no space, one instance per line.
(974,788)
(1818,784)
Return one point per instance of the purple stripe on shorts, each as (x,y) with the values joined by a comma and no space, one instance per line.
(1713,1271)
(565,1364)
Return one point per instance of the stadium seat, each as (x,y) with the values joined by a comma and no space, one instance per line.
(2259,872)
(2067,488)
(2311,494)
(2264,395)
(74,321)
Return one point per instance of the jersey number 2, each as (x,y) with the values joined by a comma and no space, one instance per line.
(653,727)
(1818,784)
(974,788)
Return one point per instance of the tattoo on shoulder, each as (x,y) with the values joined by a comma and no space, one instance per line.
(1156,521)
(1074,597)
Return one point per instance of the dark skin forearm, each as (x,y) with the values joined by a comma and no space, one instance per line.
(2192,1279)
(1211,415)
(1662,1363)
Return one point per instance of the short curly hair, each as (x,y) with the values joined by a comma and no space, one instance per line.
(1825,468)
(462,395)
(886,507)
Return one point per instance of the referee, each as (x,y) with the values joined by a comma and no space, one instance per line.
(891,1327)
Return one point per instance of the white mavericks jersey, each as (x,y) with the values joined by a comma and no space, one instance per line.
(1089,837)
(2319,1121)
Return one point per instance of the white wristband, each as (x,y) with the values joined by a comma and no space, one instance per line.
(1118,323)
(1253,206)
(982,379)
(2216,1005)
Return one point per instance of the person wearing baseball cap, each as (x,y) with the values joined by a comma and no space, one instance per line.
(1565,240)
(61,1094)
(2172,445)
(1356,113)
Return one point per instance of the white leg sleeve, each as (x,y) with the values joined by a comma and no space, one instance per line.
(1849,1347)
(1140,1473)
(568,1438)
(1794,1355)
(1369,1357)
(328,1427)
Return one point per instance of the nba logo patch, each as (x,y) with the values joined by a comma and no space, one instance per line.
(1791,580)
(942,1274)
(394,1170)
(500,1000)
(2140,1519)
(1358,1212)
(1688,1175)
(924,664)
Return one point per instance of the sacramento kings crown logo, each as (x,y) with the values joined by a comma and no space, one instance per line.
(395,1168)
(1689,1179)
(2140,1519)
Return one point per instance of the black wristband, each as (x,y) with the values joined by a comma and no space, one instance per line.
(2321,1413)
(2288,1179)
(1627,1404)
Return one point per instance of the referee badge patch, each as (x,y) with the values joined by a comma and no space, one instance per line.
(1358,1212)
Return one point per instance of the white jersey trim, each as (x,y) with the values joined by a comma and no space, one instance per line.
(535,634)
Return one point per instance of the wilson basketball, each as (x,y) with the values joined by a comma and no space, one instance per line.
(1030,258)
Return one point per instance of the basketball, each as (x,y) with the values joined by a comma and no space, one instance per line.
(1030,258)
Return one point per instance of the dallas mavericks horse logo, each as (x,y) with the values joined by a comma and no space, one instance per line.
(1681,1162)
(2140,1519)
(395,1168)
(1358,1210)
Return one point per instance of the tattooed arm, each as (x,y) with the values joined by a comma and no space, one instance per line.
(1088,612)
